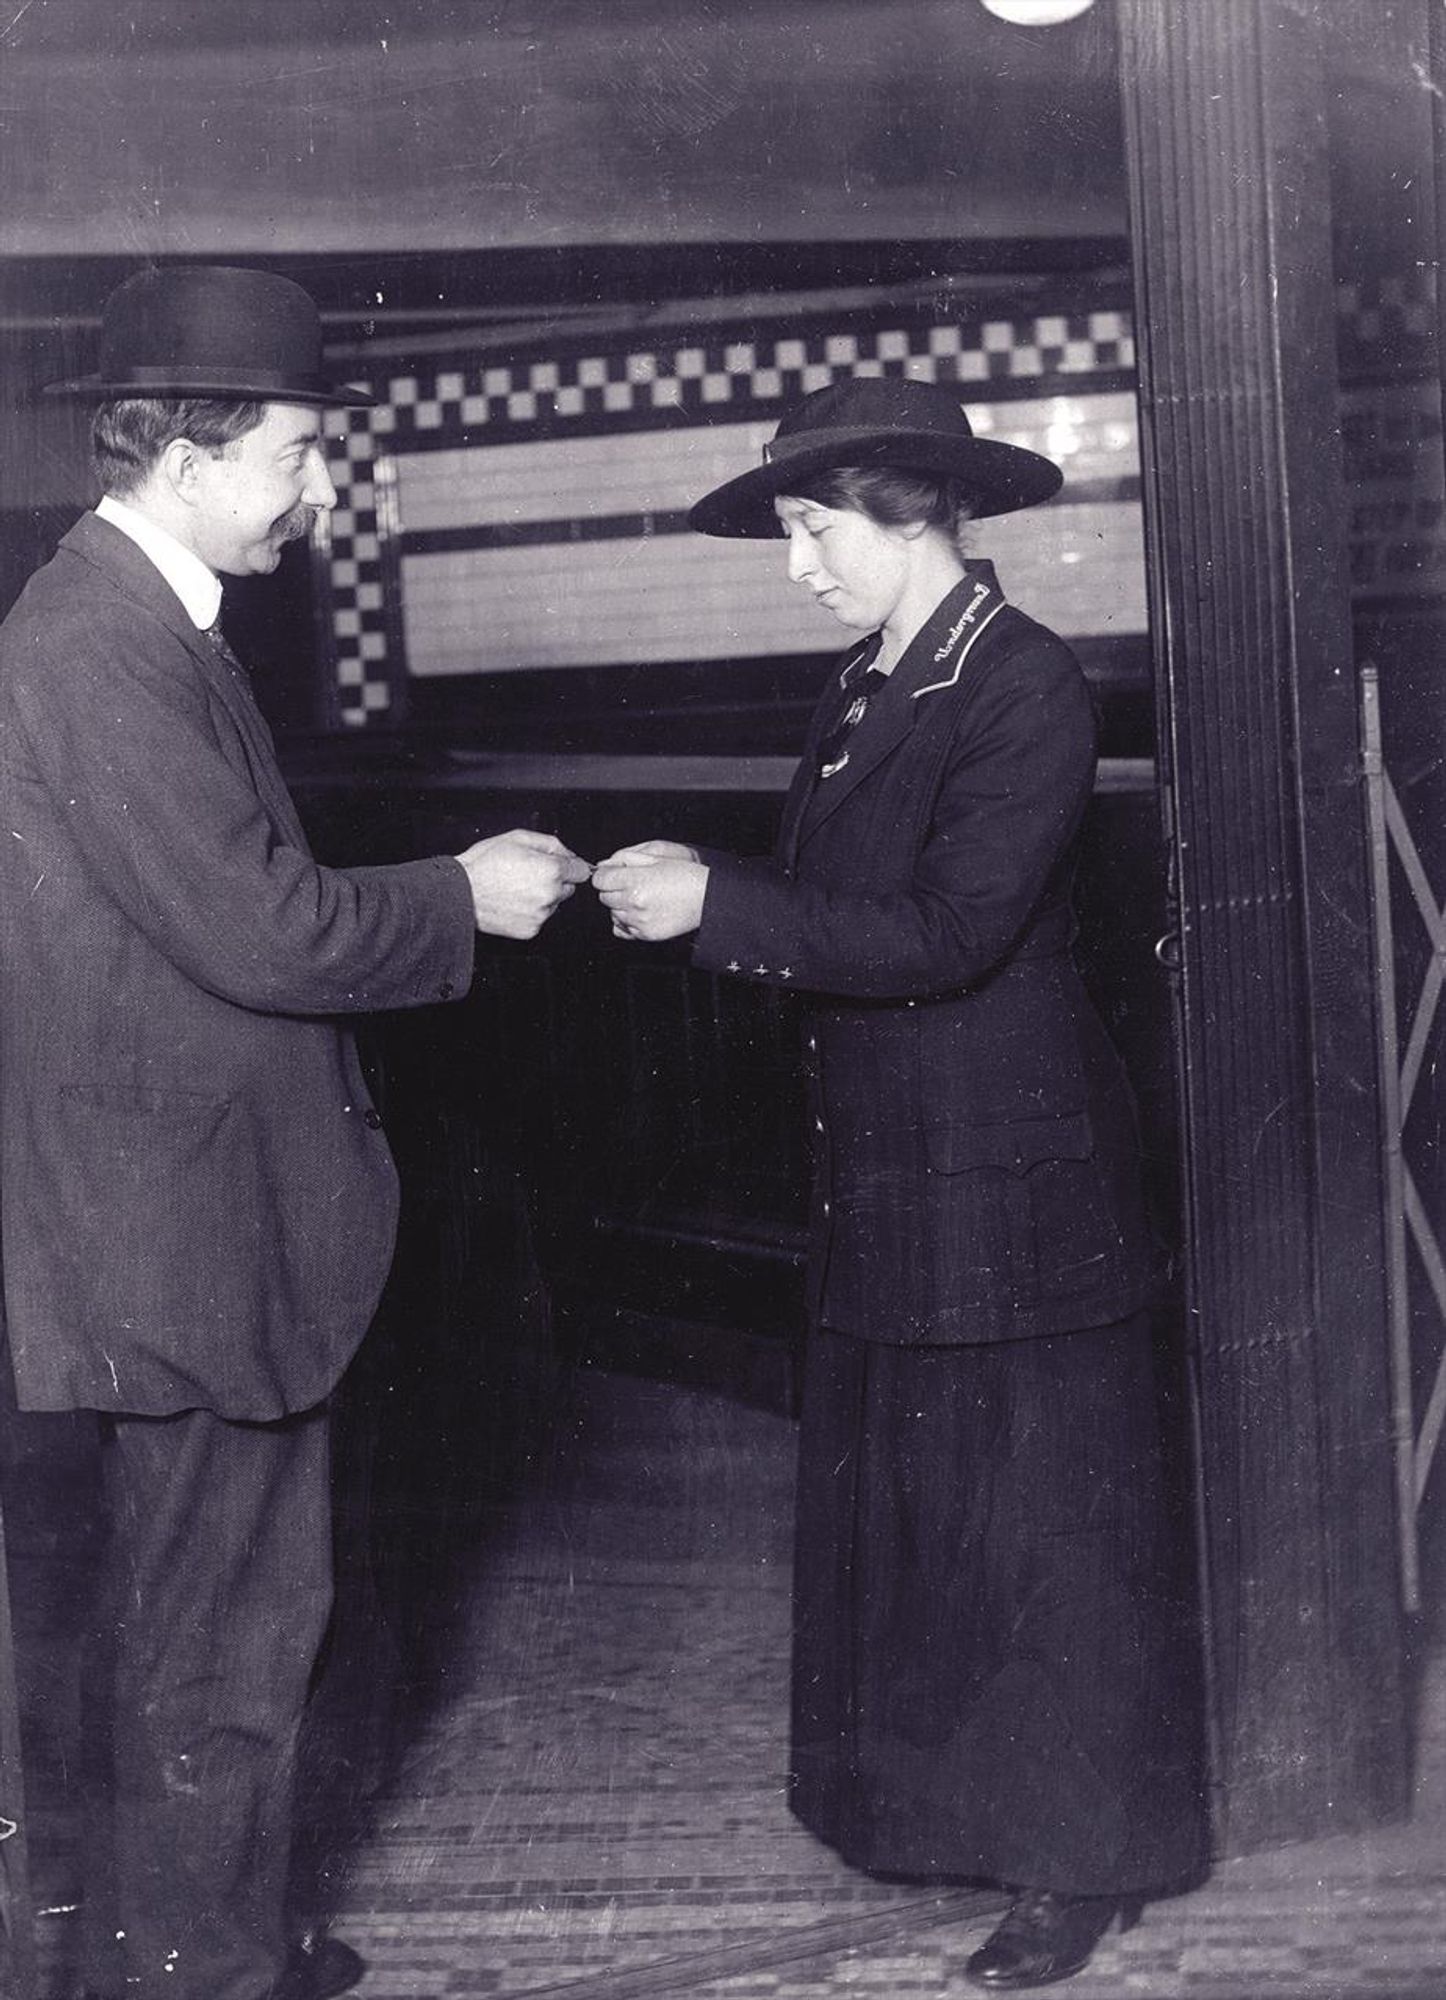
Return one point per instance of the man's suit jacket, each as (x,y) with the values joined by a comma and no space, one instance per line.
(197,1203)
(978,1162)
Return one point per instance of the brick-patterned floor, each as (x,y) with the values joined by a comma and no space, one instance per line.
(585,1796)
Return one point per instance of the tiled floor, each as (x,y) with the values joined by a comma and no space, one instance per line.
(558,1764)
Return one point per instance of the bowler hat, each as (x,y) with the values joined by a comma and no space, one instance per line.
(874,420)
(211,330)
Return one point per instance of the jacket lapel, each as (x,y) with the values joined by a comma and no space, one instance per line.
(934,661)
(233,685)
(826,716)
(132,572)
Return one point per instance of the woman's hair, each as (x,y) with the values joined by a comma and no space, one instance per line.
(893,496)
(128,437)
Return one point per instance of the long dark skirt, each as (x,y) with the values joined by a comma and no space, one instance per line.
(996,1658)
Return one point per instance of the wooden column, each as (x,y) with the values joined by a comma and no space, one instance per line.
(1246,521)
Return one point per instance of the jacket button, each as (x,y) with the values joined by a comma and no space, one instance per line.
(446,990)
(373,1118)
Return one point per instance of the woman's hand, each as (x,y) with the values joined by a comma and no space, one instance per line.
(656,850)
(654,890)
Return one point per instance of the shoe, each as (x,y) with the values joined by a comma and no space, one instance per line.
(1043,1937)
(317,1967)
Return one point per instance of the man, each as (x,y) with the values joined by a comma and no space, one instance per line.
(197,1201)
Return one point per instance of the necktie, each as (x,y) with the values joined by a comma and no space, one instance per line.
(221,646)
(833,750)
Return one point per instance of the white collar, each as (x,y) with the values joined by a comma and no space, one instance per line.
(198,587)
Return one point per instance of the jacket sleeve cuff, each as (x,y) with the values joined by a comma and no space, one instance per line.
(747,926)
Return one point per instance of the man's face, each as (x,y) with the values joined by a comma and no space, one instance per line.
(259,493)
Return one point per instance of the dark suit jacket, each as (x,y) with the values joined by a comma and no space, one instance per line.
(197,1202)
(978,1172)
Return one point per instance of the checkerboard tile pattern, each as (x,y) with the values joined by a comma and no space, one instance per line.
(620,393)
(483,401)
(1394,477)
(350,564)
(1387,325)
(566,392)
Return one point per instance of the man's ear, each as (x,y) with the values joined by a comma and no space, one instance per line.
(179,467)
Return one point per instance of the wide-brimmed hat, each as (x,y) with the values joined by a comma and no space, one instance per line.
(874,420)
(211,330)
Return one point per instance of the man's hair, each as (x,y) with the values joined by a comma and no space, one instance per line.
(892,496)
(128,437)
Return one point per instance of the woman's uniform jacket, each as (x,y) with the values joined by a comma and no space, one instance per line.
(978,1161)
(197,1202)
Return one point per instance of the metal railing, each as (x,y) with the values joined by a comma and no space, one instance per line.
(1418,1421)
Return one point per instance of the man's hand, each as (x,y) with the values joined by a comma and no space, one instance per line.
(518,879)
(654,890)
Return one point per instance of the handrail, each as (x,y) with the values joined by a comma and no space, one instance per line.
(601,771)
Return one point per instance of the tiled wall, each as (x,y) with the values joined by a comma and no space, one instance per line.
(1391,424)
(500,512)
(497,515)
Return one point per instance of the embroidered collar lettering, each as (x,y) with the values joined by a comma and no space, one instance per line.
(985,602)
(965,620)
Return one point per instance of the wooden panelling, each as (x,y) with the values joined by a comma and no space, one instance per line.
(1247,518)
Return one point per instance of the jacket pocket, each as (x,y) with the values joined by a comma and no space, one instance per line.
(1019,1144)
(1042,1180)
(153,1211)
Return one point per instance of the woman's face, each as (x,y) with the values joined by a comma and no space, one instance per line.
(855,568)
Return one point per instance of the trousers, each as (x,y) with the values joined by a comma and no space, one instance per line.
(215,1594)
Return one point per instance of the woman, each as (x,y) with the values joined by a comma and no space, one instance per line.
(994,1674)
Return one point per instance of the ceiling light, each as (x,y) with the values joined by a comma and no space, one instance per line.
(1036,13)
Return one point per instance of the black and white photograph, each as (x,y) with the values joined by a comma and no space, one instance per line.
(722,999)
